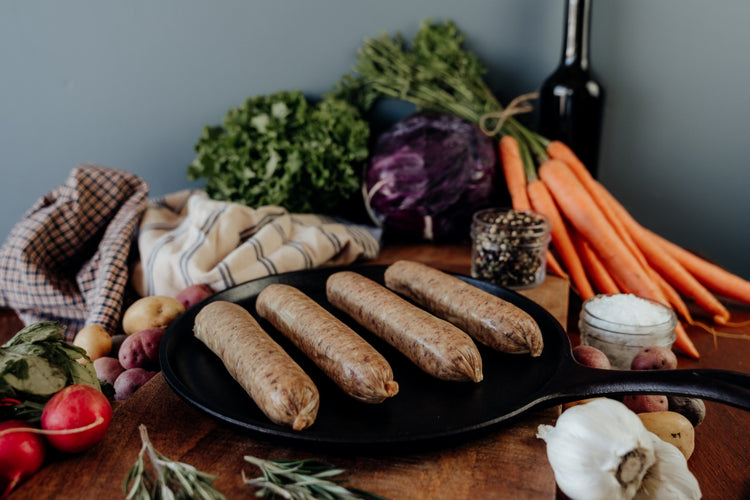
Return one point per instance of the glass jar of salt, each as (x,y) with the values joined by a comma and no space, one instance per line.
(621,324)
(509,247)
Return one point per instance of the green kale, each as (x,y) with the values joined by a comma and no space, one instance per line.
(282,149)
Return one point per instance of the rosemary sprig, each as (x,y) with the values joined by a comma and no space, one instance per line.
(305,479)
(173,480)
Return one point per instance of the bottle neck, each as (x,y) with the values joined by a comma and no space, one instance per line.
(576,48)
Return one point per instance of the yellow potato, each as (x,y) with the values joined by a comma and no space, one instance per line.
(95,339)
(671,427)
(154,311)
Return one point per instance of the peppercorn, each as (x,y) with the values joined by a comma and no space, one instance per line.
(509,247)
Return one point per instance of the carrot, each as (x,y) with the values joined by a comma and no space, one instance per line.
(553,265)
(684,343)
(669,267)
(514,172)
(561,151)
(712,276)
(579,207)
(672,296)
(542,201)
(597,272)
(603,197)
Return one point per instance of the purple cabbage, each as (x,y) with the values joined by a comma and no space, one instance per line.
(428,174)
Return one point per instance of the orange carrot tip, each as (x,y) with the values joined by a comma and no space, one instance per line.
(683,343)
(721,319)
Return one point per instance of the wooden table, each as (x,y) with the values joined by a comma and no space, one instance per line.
(506,463)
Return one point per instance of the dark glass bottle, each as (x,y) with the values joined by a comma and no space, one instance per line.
(571,101)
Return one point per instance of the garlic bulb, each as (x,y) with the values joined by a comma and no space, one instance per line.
(601,450)
(669,477)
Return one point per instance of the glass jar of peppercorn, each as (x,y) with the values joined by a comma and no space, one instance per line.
(509,247)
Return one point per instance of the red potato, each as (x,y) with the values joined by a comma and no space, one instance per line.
(194,294)
(141,349)
(654,358)
(108,369)
(76,418)
(645,403)
(651,358)
(23,454)
(591,356)
(130,381)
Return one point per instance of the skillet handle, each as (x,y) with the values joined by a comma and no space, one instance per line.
(724,386)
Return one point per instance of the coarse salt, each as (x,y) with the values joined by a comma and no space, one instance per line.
(628,309)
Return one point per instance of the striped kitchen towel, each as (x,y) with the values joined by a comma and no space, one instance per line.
(186,238)
(66,260)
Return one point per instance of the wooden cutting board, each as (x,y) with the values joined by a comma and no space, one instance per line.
(507,463)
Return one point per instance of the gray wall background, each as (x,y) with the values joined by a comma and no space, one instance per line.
(130,84)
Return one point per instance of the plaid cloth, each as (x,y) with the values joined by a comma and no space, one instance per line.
(187,238)
(67,259)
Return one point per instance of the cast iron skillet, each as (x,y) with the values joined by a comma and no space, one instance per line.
(426,410)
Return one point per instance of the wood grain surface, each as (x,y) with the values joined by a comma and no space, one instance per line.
(507,463)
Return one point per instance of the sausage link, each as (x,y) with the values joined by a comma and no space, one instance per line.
(351,362)
(277,384)
(434,345)
(487,318)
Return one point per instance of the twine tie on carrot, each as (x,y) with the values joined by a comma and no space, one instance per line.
(517,106)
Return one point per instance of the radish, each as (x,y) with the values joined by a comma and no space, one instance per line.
(76,418)
(21,454)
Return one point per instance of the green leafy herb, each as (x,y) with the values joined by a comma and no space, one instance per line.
(35,364)
(172,479)
(301,480)
(281,149)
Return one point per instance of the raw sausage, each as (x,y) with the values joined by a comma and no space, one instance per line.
(434,345)
(351,362)
(487,318)
(277,384)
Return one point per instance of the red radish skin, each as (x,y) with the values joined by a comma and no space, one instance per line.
(76,418)
(22,453)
